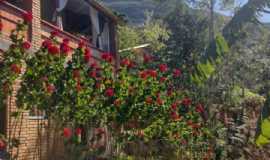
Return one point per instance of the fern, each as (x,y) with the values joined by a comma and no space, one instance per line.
(212,58)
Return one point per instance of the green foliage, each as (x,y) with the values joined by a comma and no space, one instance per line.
(154,33)
(212,58)
(138,104)
(188,39)
(128,37)
(12,65)
(248,13)
(43,70)
(263,131)
(11,69)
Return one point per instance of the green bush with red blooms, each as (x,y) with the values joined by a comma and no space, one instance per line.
(13,58)
(11,68)
(134,102)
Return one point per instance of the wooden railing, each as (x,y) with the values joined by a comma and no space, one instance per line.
(47,28)
(11,15)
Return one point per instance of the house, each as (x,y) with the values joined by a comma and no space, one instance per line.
(75,20)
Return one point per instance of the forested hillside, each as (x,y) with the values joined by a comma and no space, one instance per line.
(135,10)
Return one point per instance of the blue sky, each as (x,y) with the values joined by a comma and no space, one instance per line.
(263,17)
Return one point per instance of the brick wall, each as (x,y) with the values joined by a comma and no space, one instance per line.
(31,133)
(39,139)
(36,24)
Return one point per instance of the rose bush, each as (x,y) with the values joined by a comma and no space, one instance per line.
(134,103)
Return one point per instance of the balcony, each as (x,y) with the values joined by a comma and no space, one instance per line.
(47,28)
(11,15)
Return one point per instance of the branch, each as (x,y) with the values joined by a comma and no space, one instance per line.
(265,11)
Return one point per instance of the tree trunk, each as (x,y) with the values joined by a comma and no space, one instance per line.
(212,21)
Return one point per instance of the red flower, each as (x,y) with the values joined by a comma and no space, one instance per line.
(107,57)
(1,26)
(50,88)
(76,73)
(54,33)
(87,54)
(97,85)
(117,102)
(2,145)
(16,68)
(67,132)
(143,75)
(147,58)
(65,49)
(81,44)
(93,74)
(148,100)
(46,44)
(175,116)
(26,45)
(54,50)
(160,101)
(66,41)
(174,106)
(93,65)
(78,131)
(125,62)
(186,102)
(177,73)
(78,87)
(128,63)
(199,108)
(169,92)
(163,79)
(131,64)
(109,92)
(163,67)
(27,17)
(152,73)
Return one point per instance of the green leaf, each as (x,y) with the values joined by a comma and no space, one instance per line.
(261,140)
(266,128)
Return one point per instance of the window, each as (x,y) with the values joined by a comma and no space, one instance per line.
(48,8)
(82,21)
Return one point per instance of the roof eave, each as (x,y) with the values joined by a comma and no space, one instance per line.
(103,9)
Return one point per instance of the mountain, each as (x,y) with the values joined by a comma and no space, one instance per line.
(135,10)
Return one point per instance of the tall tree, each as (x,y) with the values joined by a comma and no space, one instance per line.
(248,13)
(210,6)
